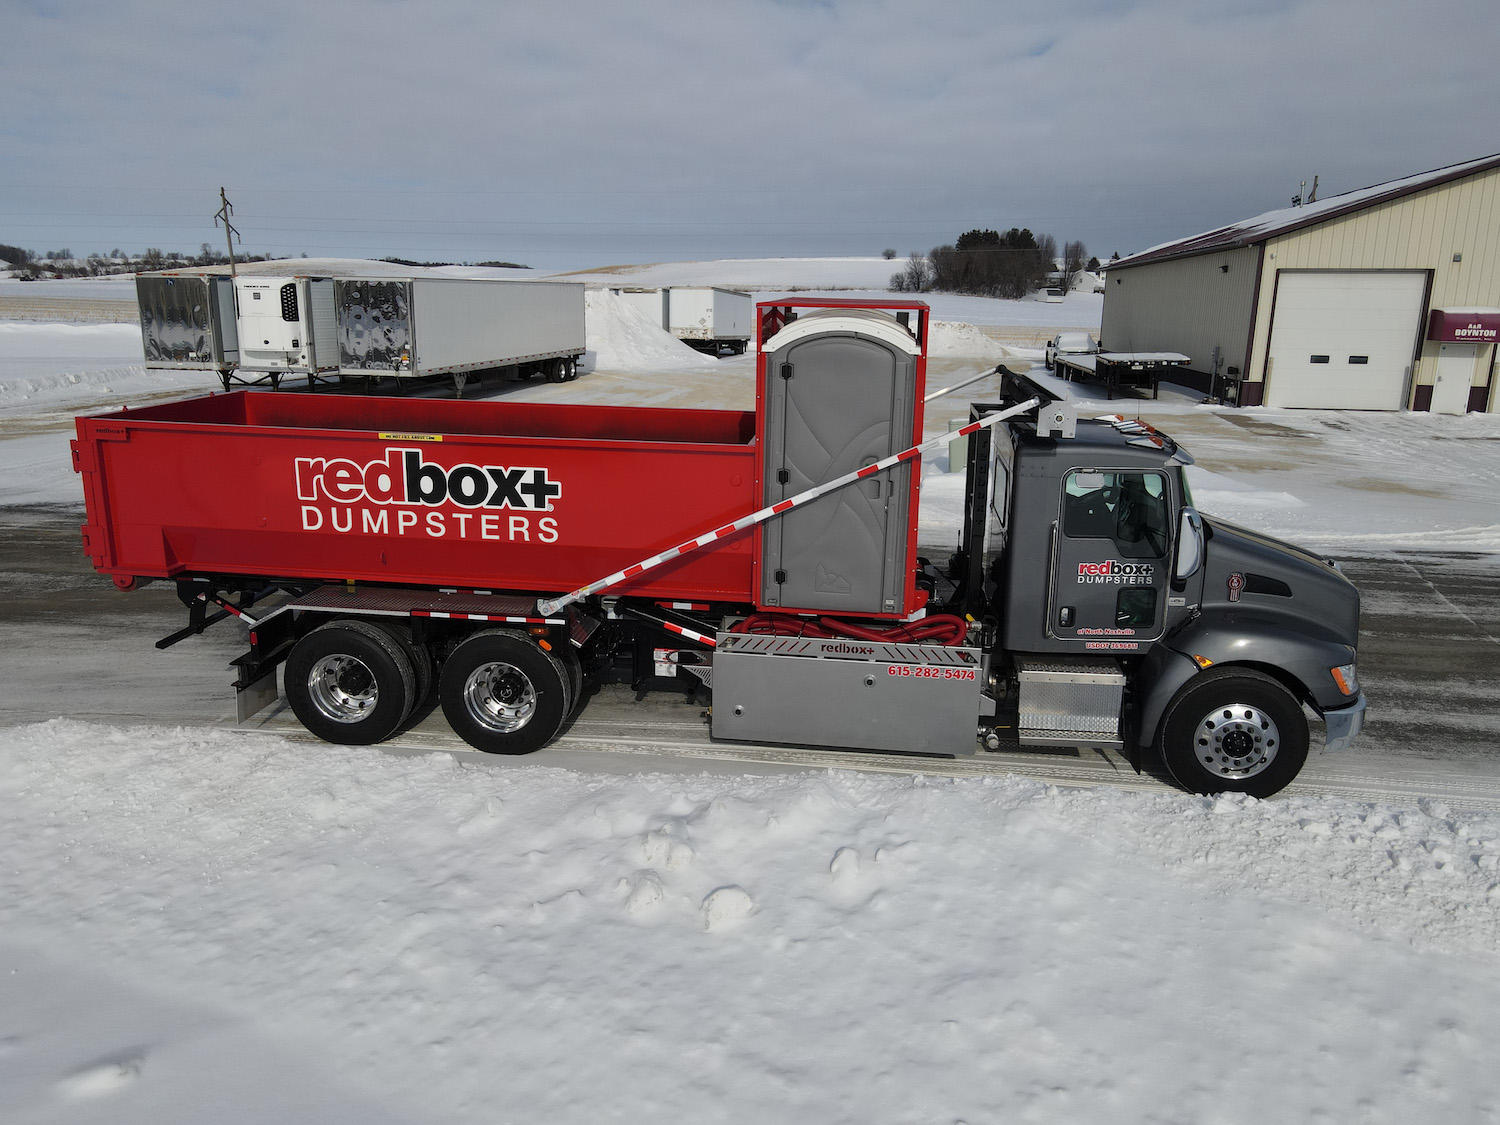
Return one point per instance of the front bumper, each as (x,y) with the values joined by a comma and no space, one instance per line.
(1344,723)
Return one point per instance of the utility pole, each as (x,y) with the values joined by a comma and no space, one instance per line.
(231,232)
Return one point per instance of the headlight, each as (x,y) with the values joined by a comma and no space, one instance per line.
(1344,676)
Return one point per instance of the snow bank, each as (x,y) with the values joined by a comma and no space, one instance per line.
(623,338)
(805,946)
(949,339)
(49,367)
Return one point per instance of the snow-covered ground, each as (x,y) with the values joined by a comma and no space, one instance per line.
(201,924)
(190,913)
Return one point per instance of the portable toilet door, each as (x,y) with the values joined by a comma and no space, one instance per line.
(840,391)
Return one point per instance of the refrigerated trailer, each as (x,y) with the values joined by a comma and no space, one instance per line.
(703,317)
(262,326)
(511,556)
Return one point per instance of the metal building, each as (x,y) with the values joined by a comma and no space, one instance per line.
(1385,298)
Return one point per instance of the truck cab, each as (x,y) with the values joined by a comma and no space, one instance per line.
(1122,616)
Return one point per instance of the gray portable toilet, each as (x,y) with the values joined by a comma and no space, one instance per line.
(840,392)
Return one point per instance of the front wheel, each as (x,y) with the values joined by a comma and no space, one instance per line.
(502,694)
(1234,730)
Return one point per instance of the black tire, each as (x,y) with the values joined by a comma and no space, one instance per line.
(421,662)
(573,668)
(554,371)
(502,694)
(1234,730)
(350,683)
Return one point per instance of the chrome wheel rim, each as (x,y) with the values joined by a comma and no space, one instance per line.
(500,696)
(1236,741)
(343,688)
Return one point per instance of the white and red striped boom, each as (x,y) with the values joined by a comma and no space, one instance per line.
(687,546)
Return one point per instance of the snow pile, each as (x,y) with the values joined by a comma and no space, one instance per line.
(623,338)
(949,339)
(54,367)
(809,946)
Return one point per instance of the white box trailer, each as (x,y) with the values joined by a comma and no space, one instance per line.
(266,324)
(703,317)
(187,322)
(652,302)
(710,318)
(414,327)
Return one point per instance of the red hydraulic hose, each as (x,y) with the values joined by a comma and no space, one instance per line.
(943,629)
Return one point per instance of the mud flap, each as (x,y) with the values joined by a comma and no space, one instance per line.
(253,698)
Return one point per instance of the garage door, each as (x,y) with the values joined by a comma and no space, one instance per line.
(1344,339)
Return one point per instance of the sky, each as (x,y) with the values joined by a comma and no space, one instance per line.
(571,134)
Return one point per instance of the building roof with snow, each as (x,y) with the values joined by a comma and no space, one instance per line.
(1248,232)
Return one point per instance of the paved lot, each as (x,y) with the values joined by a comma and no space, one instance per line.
(1429,659)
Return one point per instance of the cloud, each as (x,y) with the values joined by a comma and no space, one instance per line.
(600,131)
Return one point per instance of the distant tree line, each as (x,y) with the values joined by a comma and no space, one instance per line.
(988,263)
(29,265)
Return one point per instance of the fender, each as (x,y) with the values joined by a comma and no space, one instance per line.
(1303,659)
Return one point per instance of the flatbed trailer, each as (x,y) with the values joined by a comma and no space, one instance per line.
(510,557)
(1119,369)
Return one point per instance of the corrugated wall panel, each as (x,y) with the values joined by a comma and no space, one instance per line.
(1189,306)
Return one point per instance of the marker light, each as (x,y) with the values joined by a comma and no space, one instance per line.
(1344,677)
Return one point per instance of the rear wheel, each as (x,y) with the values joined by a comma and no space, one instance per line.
(421,663)
(350,683)
(502,694)
(1234,730)
(555,370)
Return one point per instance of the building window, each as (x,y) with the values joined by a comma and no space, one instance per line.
(1317,359)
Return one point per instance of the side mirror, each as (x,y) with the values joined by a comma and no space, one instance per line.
(1189,545)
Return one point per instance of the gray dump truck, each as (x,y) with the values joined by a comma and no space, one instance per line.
(381,551)
(1147,623)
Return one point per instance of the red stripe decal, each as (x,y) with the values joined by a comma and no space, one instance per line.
(421,613)
(632,571)
(783,506)
(970,428)
(727,529)
(907,454)
(867,470)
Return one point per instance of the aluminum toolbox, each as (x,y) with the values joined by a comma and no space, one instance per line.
(921,699)
(1070,698)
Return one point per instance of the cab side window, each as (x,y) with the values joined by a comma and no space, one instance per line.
(1129,508)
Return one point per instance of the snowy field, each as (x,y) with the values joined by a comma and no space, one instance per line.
(766,278)
(204,925)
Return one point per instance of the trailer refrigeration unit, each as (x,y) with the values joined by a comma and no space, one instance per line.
(337,326)
(510,556)
(706,318)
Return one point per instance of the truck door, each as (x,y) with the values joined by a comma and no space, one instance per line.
(1111,559)
(836,403)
